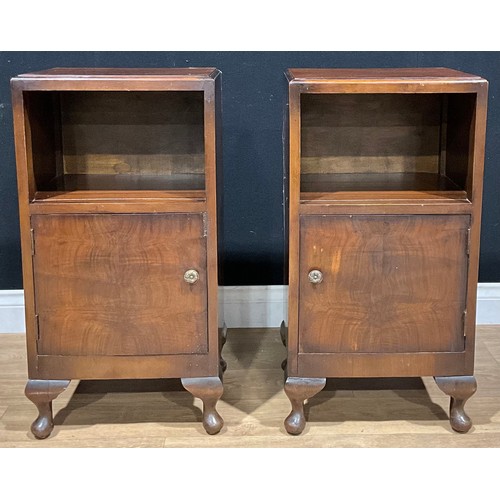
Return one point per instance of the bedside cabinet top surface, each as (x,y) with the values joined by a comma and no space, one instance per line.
(125,79)
(123,73)
(382,74)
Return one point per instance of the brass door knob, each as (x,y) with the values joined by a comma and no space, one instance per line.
(315,276)
(191,276)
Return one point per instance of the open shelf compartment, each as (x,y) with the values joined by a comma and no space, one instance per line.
(371,144)
(116,140)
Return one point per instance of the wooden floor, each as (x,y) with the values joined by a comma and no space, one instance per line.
(159,413)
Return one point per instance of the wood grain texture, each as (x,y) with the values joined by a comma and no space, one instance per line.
(125,367)
(132,132)
(292,209)
(460,139)
(380,74)
(115,196)
(128,140)
(122,73)
(420,183)
(383,81)
(370,133)
(475,185)
(348,413)
(212,118)
(43,121)
(118,79)
(391,283)
(116,201)
(26,190)
(383,364)
(130,181)
(113,284)
(368,202)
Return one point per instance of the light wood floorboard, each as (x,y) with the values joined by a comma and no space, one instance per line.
(159,413)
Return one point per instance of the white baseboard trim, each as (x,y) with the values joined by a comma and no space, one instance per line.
(254,306)
(248,307)
(488,304)
(12,311)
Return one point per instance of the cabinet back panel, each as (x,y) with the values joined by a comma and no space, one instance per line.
(376,133)
(113,284)
(133,132)
(391,283)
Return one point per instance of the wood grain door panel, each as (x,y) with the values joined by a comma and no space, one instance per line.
(390,283)
(113,284)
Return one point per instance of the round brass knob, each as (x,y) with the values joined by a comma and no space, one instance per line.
(191,276)
(315,276)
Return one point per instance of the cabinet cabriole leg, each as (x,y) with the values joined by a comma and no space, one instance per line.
(298,390)
(460,389)
(209,390)
(41,393)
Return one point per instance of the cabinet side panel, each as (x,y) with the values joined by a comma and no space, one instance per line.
(26,190)
(476,192)
(286,200)
(293,228)
(219,172)
(211,222)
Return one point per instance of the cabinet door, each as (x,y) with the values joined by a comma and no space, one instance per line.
(114,284)
(389,283)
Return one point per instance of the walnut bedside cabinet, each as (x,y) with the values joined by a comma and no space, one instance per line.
(383,216)
(117,175)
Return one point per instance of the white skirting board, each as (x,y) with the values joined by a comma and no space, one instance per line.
(248,307)
(12,311)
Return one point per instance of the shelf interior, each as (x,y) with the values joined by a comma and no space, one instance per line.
(117,140)
(386,142)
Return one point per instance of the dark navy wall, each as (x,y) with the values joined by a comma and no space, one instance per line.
(253,89)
